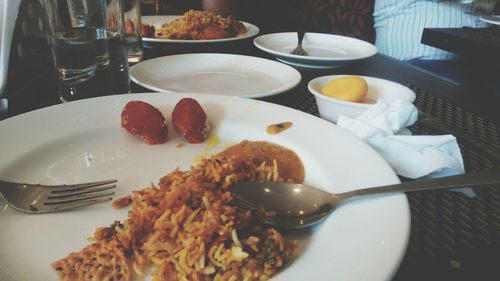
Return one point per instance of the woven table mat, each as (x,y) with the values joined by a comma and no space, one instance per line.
(453,236)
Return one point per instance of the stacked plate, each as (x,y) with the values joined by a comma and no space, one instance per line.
(325,50)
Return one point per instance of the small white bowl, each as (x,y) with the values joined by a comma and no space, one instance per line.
(330,108)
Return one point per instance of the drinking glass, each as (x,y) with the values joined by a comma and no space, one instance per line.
(150,5)
(132,28)
(88,47)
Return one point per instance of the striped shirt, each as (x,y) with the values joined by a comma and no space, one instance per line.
(399,25)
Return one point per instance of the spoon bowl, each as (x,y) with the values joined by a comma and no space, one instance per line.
(292,205)
(280,203)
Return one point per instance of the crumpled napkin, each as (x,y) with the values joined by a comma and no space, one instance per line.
(383,127)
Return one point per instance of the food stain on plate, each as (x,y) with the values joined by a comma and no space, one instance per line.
(211,142)
(277,128)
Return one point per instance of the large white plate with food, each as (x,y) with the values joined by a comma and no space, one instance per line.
(324,50)
(211,73)
(158,21)
(82,141)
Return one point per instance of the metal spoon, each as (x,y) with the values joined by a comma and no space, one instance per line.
(298,205)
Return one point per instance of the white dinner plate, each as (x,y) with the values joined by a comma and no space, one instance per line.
(491,19)
(82,141)
(325,50)
(221,74)
(157,22)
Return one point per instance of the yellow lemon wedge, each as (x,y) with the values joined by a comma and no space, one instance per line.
(349,88)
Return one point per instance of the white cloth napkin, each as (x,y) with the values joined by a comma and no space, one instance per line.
(383,127)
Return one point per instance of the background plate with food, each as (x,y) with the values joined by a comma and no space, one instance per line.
(362,240)
(158,21)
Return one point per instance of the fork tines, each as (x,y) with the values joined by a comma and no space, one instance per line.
(38,198)
(69,187)
(73,204)
(83,193)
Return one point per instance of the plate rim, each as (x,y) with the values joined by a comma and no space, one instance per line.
(491,19)
(295,80)
(307,66)
(252,30)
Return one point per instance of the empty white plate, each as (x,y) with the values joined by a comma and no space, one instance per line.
(325,50)
(222,74)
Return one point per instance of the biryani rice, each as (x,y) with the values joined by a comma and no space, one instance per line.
(199,25)
(187,228)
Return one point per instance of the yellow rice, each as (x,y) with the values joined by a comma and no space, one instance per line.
(192,24)
(187,229)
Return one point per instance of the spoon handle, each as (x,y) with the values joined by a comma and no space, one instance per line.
(476,179)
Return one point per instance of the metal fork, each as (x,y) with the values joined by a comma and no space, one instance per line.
(299,51)
(36,198)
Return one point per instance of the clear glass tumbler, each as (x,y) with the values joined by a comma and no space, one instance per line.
(88,47)
(152,6)
(132,28)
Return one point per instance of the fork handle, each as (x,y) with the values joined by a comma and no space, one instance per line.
(4,186)
(475,179)
(300,34)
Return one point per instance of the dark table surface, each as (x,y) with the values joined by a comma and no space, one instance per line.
(453,237)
